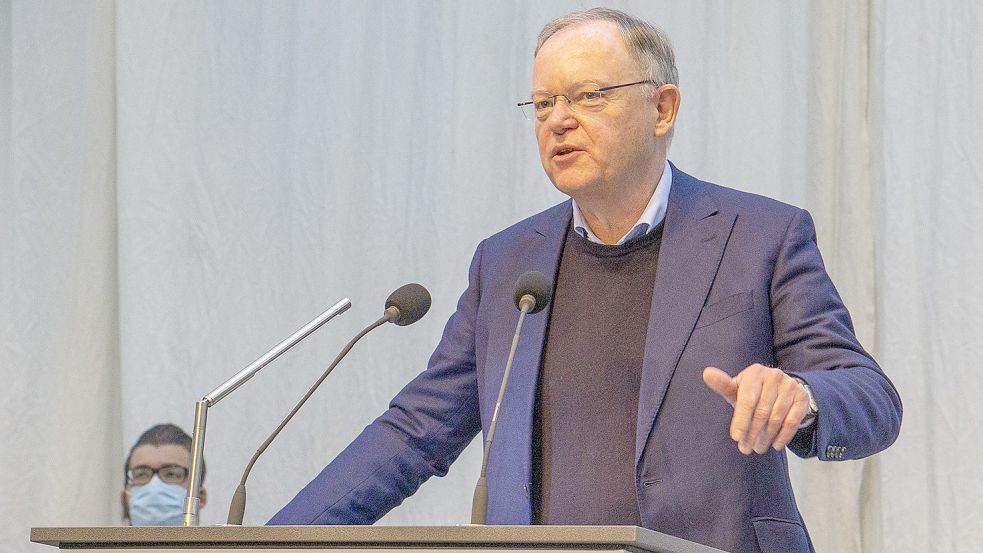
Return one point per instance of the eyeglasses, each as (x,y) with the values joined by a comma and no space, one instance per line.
(169,474)
(585,98)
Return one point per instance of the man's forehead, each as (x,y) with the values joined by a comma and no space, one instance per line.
(584,52)
(155,456)
(598,34)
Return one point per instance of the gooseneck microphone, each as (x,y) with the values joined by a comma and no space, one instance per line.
(533,292)
(405,306)
(192,503)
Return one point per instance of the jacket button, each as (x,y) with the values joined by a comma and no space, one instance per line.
(835,451)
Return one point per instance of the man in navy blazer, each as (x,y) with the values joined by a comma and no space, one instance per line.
(744,346)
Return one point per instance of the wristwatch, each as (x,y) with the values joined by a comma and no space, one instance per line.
(813,411)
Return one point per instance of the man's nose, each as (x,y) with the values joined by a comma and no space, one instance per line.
(561,117)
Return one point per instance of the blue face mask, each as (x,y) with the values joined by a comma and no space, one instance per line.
(157,504)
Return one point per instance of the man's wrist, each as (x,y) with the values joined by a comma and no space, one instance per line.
(813,413)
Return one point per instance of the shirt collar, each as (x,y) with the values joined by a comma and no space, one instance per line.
(654,212)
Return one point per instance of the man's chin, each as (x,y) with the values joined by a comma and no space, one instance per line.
(572,187)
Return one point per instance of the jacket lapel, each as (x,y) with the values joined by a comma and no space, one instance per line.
(543,255)
(693,242)
(510,464)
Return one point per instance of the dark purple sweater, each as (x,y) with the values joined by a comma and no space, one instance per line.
(587,400)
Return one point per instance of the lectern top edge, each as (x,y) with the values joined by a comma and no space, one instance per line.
(630,538)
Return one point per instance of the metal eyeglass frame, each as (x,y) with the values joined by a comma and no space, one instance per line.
(552,99)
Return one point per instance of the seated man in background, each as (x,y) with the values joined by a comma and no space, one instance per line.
(156,477)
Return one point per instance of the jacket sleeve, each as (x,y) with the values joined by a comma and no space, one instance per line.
(859,408)
(428,424)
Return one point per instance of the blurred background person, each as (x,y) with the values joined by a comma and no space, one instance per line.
(156,477)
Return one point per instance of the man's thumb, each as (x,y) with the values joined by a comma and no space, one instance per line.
(722,383)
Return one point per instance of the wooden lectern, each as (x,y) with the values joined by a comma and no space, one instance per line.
(362,539)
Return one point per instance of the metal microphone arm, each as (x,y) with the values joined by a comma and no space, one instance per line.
(479,503)
(239,379)
(192,502)
(237,508)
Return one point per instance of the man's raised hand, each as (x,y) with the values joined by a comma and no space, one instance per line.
(769,406)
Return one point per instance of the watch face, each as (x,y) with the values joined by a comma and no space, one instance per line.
(813,406)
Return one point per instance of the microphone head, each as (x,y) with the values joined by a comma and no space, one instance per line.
(535,284)
(411,303)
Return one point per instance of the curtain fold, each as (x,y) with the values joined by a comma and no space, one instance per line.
(927,175)
(60,405)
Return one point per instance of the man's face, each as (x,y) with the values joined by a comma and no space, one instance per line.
(593,154)
(155,457)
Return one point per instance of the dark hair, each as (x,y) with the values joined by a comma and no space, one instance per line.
(162,434)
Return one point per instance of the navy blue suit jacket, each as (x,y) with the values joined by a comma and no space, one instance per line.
(740,281)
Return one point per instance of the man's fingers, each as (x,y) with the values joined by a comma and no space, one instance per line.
(792,421)
(768,406)
(722,383)
(758,437)
(787,391)
(748,394)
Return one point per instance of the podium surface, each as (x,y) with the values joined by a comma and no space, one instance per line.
(352,539)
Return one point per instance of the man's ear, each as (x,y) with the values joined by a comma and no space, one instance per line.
(202,497)
(124,498)
(667,103)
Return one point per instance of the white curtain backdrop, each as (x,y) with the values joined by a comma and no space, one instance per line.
(183,184)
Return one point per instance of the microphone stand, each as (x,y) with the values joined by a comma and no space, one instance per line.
(479,503)
(237,508)
(193,501)
(405,306)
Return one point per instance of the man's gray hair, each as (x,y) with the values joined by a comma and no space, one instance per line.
(647,44)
